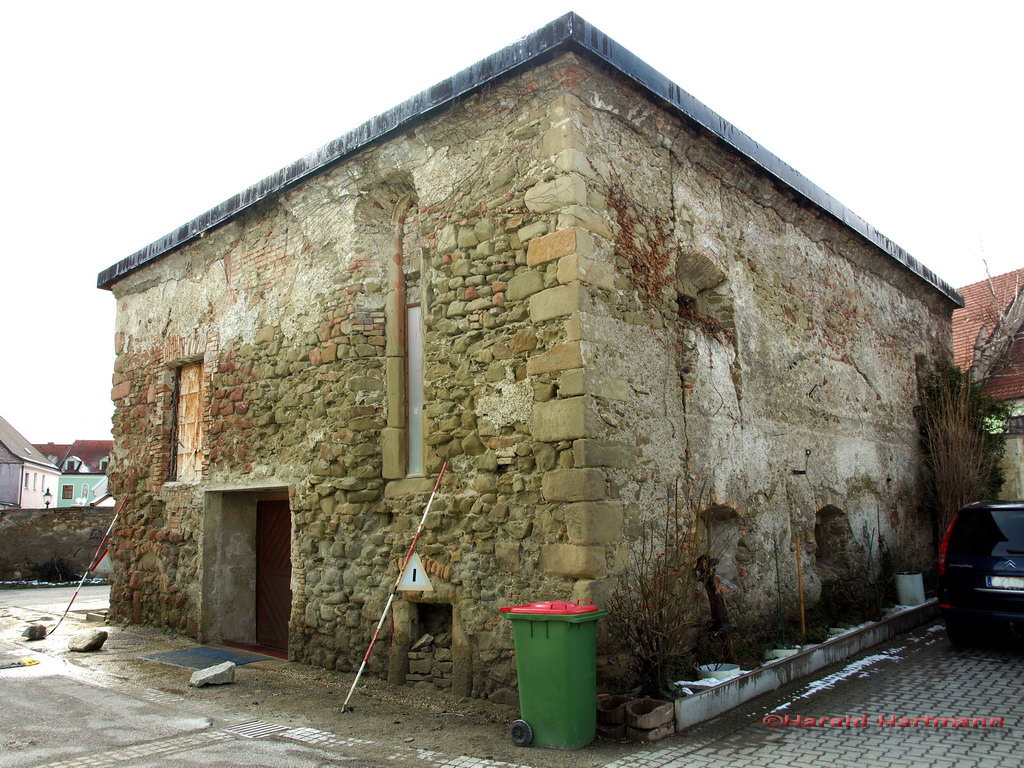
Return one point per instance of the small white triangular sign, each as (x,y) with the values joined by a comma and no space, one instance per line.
(414,579)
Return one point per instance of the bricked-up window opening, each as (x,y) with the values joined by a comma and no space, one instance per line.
(831,536)
(414,389)
(187,453)
(430,655)
(67,491)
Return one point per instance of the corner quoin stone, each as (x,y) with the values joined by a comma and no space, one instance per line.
(565,419)
(558,244)
(573,562)
(594,522)
(555,302)
(573,485)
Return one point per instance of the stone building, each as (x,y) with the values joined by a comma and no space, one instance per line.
(565,276)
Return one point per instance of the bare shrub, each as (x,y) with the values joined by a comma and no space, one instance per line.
(654,615)
(962,437)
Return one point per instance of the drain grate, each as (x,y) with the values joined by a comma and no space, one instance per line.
(256,729)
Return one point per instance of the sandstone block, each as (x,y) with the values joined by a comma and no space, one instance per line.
(595,453)
(573,561)
(594,522)
(573,160)
(563,136)
(566,419)
(590,382)
(556,302)
(392,446)
(530,231)
(560,192)
(559,358)
(599,591)
(394,383)
(559,244)
(573,485)
(408,487)
(524,285)
(588,218)
(576,267)
(506,555)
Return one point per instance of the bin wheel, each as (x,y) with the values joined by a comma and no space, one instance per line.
(521,733)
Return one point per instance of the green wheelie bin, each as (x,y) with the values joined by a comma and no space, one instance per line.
(557,670)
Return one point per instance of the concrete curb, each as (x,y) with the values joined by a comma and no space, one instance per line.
(691,710)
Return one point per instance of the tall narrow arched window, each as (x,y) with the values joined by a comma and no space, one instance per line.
(414,389)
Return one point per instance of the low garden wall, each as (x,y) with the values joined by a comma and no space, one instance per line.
(50,544)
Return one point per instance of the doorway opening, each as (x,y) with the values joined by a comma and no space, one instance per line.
(246,556)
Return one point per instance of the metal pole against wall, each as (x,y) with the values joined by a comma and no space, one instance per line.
(394,590)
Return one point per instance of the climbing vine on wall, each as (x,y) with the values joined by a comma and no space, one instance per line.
(644,241)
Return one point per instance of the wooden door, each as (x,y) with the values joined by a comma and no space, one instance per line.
(273,573)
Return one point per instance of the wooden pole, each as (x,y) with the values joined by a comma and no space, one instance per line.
(800,591)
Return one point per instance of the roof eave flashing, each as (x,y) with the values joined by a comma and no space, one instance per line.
(567,31)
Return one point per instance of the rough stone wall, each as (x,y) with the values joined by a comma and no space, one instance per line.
(611,302)
(35,538)
(755,354)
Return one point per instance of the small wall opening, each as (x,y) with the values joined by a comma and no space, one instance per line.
(832,542)
(723,531)
(430,655)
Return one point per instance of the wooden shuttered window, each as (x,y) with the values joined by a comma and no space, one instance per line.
(188,424)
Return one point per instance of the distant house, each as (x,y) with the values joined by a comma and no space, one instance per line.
(987,339)
(25,473)
(83,465)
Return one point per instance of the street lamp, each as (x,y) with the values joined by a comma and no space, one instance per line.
(46,498)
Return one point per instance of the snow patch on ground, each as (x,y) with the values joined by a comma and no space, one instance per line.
(854,668)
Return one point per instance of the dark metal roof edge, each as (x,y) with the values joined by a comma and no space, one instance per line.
(567,29)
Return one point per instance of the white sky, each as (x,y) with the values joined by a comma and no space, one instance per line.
(122,121)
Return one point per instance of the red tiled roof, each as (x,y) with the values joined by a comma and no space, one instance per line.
(984,302)
(91,452)
(55,452)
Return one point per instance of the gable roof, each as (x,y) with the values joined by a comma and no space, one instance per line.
(984,303)
(567,33)
(91,452)
(16,443)
(55,452)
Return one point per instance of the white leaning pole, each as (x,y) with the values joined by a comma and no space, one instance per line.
(394,590)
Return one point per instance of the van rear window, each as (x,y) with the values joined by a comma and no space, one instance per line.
(988,532)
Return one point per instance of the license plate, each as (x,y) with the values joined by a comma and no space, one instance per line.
(1005,582)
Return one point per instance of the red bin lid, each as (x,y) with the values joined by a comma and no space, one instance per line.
(554,607)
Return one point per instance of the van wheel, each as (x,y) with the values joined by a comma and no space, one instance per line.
(959,634)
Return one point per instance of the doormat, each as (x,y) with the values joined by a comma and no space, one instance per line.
(203,656)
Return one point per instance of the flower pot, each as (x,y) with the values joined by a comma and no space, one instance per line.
(611,710)
(648,714)
(718,671)
(909,588)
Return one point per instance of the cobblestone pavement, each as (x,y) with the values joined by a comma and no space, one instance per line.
(893,695)
(878,708)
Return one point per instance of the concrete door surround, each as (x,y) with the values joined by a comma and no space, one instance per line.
(228,599)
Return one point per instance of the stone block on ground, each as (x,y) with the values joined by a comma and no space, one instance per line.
(34,632)
(219,674)
(84,642)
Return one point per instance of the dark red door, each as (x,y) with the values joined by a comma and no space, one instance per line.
(273,573)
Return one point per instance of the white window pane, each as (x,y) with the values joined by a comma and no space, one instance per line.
(414,390)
